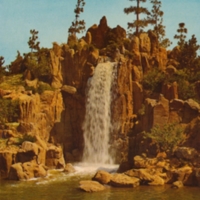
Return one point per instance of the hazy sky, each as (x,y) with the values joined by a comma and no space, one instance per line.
(52,18)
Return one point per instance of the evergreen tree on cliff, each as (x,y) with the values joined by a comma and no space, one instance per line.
(156,18)
(38,61)
(16,66)
(32,42)
(188,57)
(78,26)
(2,69)
(1,61)
(138,24)
(182,31)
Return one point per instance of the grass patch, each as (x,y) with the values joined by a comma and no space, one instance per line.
(3,143)
(12,82)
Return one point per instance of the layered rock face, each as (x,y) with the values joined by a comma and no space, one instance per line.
(30,140)
(54,118)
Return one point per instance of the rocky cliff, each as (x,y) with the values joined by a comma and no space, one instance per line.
(50,124)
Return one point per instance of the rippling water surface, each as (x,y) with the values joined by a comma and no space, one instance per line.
(60,186)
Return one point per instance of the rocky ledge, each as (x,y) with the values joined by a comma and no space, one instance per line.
(181,170)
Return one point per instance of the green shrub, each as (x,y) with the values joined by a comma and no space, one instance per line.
(40,88)
(153,80)
(9,110)
(167,136)
(43,86)
(29,138)
(178,76)
(38,63)
(186,90)
(12,82)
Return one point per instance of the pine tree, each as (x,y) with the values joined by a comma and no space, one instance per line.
(189,54)
(33,43)
(78,26)
(37,62)
(2,68)
(1,61)
(156,18)
(182,34)
(16,66)
(138,24)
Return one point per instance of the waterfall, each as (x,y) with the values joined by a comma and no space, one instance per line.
(97,123)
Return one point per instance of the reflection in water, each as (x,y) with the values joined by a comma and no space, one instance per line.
(61,186)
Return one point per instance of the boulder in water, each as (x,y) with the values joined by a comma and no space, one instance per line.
(26,171)
(102,176)
(177,184)
(122,180)
(91,186)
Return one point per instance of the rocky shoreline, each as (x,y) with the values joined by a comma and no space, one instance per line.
(178,171)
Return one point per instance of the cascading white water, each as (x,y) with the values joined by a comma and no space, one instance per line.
(97,123)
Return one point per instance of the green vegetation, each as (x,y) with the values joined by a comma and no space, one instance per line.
(154,80)
(138,24)
(9,110)
(182,31)
(188,57)
(77,26)
(16,66)
(16,141)
(156,18)
(33,43)
(2,69)
(167,136)
(26,137)
(41,87)
(12,81)
(39,64)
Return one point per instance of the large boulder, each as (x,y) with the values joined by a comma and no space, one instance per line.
(69,89)
(26,171)
(156,112)
(29,151)
(91,186)
(161,111)
(191,110)
(54,157)
(102,176)
(186,153)
(170,91)
(122,180)
(7,158)
(177,184)
(184,174)
(69,168)
(147,176)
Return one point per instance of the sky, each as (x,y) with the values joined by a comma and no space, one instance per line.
(52,18)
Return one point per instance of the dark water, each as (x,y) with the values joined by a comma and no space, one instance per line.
(60,186)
